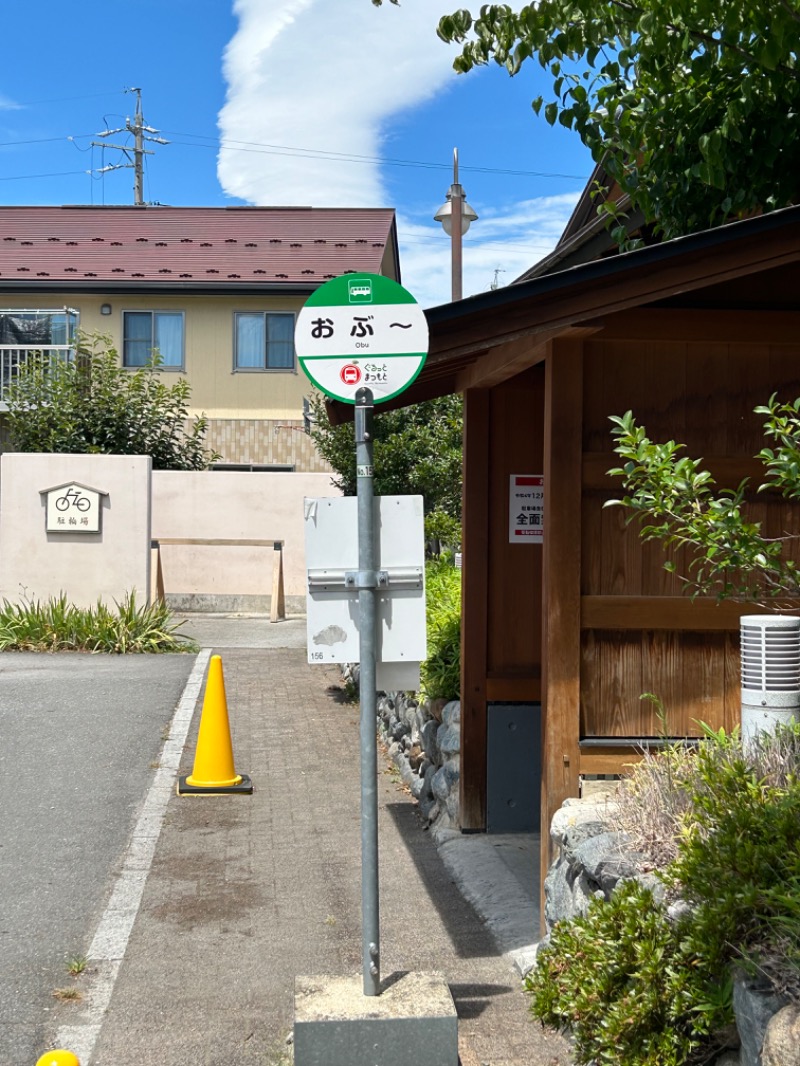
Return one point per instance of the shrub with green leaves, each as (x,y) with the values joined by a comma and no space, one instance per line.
(58,625)
(722,824)
(441,671)
(629,986)
(738,857)
(93,405)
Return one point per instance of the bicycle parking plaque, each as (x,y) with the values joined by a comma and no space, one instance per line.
(361,330)
(72,508)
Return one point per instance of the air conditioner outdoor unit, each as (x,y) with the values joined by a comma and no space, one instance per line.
(770,647)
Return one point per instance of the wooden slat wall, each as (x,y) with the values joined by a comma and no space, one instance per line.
(516,446)
(502,582)
(701,394)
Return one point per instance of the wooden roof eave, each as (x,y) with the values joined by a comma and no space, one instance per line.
(471,330)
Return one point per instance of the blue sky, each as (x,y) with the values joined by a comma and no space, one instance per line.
(321,102)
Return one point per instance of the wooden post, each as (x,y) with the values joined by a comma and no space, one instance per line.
(156,573)
(561,658)
(277,606)
(474,599)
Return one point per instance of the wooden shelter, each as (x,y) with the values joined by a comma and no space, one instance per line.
(690,335)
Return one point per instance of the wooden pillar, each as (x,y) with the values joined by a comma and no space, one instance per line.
(474,606)
(561,581)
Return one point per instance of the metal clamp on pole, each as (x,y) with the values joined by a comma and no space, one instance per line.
(366,579)
(399,577)
(326,580)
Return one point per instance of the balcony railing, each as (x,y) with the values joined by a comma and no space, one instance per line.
(12,357)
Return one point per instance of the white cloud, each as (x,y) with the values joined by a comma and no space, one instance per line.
(323,76)
(507,240)
(329,76)
(7,104)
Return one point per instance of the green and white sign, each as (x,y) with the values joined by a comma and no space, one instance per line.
(361,330)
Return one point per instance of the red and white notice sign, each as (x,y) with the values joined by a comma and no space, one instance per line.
(526,509)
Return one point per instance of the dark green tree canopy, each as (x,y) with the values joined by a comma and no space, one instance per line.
(417,450)
(691,105)
(91,404)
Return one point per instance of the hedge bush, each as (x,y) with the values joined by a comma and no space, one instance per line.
(441,671)
(637,988)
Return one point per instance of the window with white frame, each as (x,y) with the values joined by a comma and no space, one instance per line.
(263,340)
(146,331)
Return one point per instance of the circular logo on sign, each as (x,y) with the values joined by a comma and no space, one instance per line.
(350,374)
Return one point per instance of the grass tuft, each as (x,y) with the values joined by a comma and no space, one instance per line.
(68,994)
(76,965)
(58,625)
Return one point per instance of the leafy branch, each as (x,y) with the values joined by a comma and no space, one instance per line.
(677,502)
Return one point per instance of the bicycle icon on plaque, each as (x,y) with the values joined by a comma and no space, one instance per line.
(72,508)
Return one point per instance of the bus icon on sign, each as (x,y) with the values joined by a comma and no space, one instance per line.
(359,291)
(350,374)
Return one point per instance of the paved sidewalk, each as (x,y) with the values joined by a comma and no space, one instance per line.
(247,892)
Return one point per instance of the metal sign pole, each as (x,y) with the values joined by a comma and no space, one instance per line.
(363,339)
(367,585)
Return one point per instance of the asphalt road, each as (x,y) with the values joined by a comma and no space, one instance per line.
(79,736)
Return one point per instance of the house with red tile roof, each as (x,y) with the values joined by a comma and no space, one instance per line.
(214,289)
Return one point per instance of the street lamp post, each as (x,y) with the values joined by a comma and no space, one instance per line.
(455,215)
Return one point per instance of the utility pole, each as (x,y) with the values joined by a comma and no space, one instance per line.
(139,131)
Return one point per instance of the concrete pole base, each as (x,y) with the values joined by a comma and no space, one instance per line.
(412,1021)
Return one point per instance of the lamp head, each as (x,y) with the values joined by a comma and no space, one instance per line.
(445,212)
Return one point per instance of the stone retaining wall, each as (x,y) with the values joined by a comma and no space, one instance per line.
(591,860)
(424,742)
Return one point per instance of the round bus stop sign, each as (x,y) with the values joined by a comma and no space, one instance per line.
(361,330)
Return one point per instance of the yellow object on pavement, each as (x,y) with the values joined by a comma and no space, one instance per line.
(214,770)
(59,1057)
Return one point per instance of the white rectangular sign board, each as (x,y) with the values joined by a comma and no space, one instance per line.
(331,526)
(526,509)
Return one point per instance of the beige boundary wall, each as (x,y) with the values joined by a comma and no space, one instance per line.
(141,506)
(229,505)
(35,564)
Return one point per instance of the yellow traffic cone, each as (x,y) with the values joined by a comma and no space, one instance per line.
(59,1057)
(213,770)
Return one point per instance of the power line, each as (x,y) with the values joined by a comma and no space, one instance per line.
(522,247)
(43,140)
(66,99)
(302,153)
(345,157)
(53,174)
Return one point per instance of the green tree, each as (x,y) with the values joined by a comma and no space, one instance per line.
(417,450)
(92,404)
(678,503)
(690,105)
